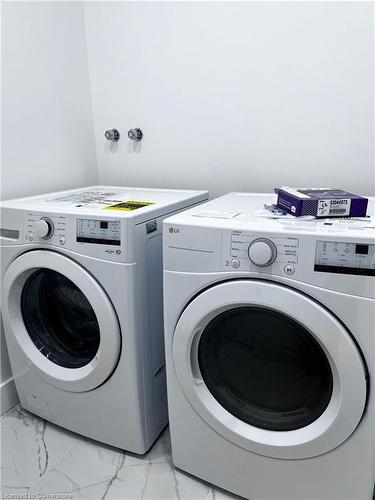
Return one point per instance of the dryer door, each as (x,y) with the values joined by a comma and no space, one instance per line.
(270,369)
(62,320)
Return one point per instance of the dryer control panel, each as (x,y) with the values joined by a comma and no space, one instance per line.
(247,250)
(345,258)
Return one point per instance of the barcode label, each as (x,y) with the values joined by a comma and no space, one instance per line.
(333,207)
(338,211)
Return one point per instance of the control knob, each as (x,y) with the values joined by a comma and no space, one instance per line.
(44,228)
(262,252)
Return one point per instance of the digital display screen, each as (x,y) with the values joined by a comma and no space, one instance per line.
(361,249)
(99,232)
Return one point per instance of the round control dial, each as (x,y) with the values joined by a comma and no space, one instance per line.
(262,252)
(44,228)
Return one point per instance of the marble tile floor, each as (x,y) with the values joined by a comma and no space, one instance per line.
(42,461)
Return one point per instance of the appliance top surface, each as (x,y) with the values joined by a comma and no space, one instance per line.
(245,211)
(116,201)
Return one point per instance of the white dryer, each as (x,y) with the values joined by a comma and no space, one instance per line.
(270,350)
(82,308)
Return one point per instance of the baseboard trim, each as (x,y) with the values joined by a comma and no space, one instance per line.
(9,397)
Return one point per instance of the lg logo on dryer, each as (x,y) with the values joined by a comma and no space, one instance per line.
(174,230)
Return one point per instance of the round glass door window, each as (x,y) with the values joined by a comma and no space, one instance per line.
(59,319)
(265,368)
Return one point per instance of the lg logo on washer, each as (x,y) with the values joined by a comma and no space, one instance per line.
(174,230)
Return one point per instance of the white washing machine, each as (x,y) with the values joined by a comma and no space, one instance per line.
(82,308)
(270,350)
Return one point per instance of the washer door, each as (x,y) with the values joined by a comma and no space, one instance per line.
(269,369)
(62,320)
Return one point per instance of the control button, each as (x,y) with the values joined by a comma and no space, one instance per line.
(44,228)
(262,252)
(235,263)
(62,240)
(289,269)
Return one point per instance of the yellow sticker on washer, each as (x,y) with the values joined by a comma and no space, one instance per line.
(129,205)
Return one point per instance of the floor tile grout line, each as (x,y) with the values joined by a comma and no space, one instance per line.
(4,415)
(7,415)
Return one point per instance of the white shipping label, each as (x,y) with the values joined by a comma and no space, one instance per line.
(215,214)
(335,207)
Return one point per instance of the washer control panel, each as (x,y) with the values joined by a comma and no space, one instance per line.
(100,238)
(102,232)
(245,251)
(345,258)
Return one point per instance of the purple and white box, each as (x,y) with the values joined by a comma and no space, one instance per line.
(321,202)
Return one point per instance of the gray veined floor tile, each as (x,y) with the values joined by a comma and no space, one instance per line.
(29,448)
(90,470)
(157,481)
(86,471)
(41,459)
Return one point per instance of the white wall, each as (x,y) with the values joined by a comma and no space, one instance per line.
(46,108)
(234,96)
(47,131)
